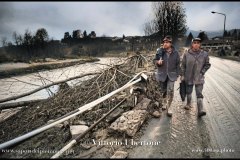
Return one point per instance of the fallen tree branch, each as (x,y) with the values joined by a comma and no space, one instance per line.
(46,86)
(25,82)
(78,138)
(19,104)
(76,112)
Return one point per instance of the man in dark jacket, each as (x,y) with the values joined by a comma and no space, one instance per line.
(168,68)
(195,63)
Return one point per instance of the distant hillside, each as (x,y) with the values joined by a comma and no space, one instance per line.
(210,34)
(232,30)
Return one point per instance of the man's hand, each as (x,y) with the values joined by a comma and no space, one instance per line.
(160,61)
(181,78)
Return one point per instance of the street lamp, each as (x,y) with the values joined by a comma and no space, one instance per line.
(224,22)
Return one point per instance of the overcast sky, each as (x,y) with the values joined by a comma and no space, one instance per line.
(109,18)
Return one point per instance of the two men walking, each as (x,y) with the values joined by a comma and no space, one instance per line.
(195,63)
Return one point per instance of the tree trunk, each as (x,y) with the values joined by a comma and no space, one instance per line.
(19,104)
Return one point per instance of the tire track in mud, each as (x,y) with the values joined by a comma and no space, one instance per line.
(231,80)
(181,136)
(223,115)
(223,131)
(226,66)
(229,87)
(230,95)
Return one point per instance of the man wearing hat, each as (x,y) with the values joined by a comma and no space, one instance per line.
(194,65)
(168,68)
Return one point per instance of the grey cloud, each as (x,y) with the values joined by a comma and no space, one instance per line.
(110,18)
(199,16)
(5,16)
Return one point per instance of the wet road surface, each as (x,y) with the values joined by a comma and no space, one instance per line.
(216,135)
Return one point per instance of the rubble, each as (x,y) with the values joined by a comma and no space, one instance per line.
(129,122)
(114,115)
(68,100)
(77,129)
(101,134)
(143,105)
(120,154)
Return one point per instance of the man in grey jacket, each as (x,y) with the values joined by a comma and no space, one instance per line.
(195,63)
(168,69)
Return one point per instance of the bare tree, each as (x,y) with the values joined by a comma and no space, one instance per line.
(4,41)
(20,39)
(92,34)
(189,39)
(15,38)
(42,35)
(67,35)
(28,38)
(169,19)
(203,36)
(9,43)
(149,28)
(76,34)
(28,42)
(85,34)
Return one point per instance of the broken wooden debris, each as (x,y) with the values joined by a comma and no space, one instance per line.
(114,115)
(143,105)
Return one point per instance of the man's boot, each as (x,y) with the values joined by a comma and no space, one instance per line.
(200,107)
(189,99)
(169,108)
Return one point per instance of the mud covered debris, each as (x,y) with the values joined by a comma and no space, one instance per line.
(68,99)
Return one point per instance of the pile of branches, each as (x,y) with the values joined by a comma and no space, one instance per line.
(69,99)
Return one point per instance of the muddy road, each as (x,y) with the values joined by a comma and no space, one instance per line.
(216,135)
